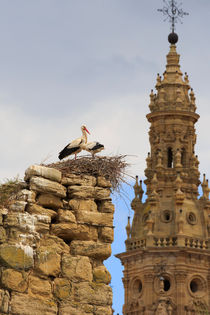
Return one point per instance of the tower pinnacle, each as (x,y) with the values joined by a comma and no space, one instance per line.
(173,13)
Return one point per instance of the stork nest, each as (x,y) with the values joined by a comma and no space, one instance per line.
(112,168)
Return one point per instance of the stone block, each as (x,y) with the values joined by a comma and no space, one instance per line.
(71,308)
(81,180)
(24,304)
(14,280)
(91,249)
(16,257)
(106,234)
(61,288)
(26,195)
(80,205)
(37,286)
(103,182)
(94,293)
(36,209)
(86,192)
(103,310)
(43,171)
(102,193)
(106,206)
(76,268)
(49,201)
(94,218)
(3,234)
(18,206)
(101,275)
(53,242)
(66,216)
(48,262)
(43,185)
(70,231)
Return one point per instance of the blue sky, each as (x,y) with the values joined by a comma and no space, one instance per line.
(64,63)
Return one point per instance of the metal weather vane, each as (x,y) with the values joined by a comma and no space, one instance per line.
(173,12)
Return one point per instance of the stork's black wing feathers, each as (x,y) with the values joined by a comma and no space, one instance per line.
(67,151)
(97,146)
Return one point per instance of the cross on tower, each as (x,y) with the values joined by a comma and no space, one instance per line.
(173,12)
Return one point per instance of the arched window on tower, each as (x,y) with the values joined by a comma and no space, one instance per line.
(170,158)
(183,157)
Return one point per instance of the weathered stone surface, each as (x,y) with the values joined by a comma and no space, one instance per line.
(36,209)
(95,218)
(76,268)
(4,301)
(83,192)
(87,205)
(14,280)
(18,206)
(16,257)
(55,243)
(61,288)
(95,293)
(101,275)
(49,201)
(43,185)
(66,216)
(103,310)
(39,287)
(79,180)
(2,234)
(23,304)
(102,182)
(106,206)
(48,262)
(91,249)
(86,192)
(71,309)
(106,234)
(26,195)
(43,171)
(70,231)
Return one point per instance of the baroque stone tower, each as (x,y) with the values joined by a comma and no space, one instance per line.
(167,258)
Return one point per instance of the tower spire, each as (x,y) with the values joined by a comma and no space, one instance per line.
(173,13)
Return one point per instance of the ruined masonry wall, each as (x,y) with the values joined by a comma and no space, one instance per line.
(53,241)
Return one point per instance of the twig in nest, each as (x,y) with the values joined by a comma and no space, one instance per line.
(112,168)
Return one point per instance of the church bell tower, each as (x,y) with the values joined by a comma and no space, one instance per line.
(167,257)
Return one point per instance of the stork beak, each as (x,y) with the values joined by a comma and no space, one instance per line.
(87,131)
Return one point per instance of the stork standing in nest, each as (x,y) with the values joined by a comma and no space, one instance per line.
(75,146)
(93,147)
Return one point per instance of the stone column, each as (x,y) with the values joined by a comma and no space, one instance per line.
(148,292)
(180,291)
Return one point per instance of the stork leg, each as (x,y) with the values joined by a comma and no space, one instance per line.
(75,156)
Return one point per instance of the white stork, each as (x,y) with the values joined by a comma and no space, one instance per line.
(75,146)
(93,147)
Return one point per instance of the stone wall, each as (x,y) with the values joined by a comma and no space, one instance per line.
(53,240)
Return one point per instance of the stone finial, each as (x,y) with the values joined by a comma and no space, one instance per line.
(180,222)
(152,104)
(178,158)
(205,188)
(141,191)
(136,187)
(149,224)
(192,97)
(158,80)
(128,228)
(178,181)
(148,160)
(186,78)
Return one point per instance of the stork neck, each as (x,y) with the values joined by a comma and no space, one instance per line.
(84,136)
